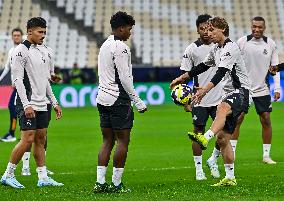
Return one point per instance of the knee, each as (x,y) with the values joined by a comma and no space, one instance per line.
(28,139)
(109,142)
(221,141)
(265,119)
(40,139)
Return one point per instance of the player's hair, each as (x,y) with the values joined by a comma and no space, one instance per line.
(17,30)
(202,18)
(258,18)
(36,22)
(121,19)
(220,23)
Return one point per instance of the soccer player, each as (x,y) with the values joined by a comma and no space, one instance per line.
(30,74)
(116,91)
(259,53)
(194,54)
(17,35)
(48,52)
(226,55)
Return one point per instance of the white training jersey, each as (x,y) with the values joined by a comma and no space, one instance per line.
(259,55)
(229,56)
(115,74)
(195,54)
(48,52)
(30,73)
(7,67)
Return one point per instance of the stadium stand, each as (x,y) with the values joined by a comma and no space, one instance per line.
(163,28)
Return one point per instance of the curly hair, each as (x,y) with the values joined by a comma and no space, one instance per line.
(202,18)
(121,19)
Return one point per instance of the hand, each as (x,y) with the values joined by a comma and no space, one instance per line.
(187,108)
(55,78)
(29,112)
(143,110)
(179,80)
(175,82)
(58,111)
(141,106)
(273,69)
(276,96)
(197,97)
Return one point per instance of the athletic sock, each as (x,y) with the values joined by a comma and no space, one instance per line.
(229,168)
(101,174)
(215,155)
(209,135)
(26,160)
(198,163)
(116,175)
(266,150)
(41,172)
(234,146)
(10,170)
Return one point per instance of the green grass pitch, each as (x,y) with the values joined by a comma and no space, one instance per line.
(160,163)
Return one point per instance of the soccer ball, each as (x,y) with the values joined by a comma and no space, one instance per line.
(181,94)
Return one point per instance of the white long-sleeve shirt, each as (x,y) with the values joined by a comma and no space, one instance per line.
(48,52)
(7,67)
(115,75)
(30,72)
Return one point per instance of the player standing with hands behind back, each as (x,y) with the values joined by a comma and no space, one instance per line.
(116,91)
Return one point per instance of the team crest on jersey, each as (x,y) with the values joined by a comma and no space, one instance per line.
(227,54)
(124,51)
(265,52)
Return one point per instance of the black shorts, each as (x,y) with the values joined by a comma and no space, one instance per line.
(239,102)
(262,104)
(200,115)
(40,121)
(117,117)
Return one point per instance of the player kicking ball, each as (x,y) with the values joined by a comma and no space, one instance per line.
(226,56)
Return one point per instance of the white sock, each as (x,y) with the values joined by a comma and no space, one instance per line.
(266,150)
(198,163)
(234,146)
(10,170)
(229,168)
(101,174)
(209,134)
(116,175)
(215,155)
(41,173)
(26,160)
